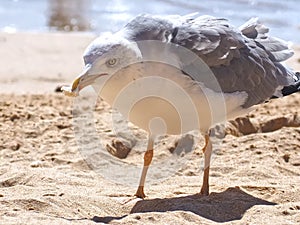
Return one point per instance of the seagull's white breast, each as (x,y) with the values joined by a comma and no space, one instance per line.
(163,100)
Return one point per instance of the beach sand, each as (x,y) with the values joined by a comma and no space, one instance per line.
(45,179)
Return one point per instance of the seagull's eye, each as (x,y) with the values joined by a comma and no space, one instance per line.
(111,62)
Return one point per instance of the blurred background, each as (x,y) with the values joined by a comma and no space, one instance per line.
(110,15)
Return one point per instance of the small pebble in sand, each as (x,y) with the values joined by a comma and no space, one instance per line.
(14,117)
(36,164)
(15,146)
(118,149)
(286,157)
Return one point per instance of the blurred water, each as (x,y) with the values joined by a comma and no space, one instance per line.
(99,15)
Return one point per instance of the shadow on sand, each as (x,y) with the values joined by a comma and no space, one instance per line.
(225,206)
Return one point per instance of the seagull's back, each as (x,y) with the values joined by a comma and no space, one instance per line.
(244,59)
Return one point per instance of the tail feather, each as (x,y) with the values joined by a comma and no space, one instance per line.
(287,90)
(278,49)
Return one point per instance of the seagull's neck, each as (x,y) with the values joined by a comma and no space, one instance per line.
(158,52)
(111,87)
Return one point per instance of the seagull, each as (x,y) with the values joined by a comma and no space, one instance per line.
(199,69)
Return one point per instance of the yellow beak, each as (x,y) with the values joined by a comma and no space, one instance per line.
(83,80)
(75,83)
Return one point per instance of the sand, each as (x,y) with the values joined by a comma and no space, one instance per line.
(46,179)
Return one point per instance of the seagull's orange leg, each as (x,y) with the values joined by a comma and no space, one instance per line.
(207,149)
(147,161)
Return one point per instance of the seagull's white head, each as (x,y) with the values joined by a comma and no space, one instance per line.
(105,56)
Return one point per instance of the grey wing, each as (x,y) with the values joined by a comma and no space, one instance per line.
(241,60)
